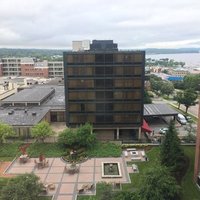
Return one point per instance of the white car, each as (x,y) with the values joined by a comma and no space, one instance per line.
(181,119)
(163,130)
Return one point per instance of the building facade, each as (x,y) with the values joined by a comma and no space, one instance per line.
(105,88)
(31,68)
(34,69)
(11,66)
(55,69)
(197,153)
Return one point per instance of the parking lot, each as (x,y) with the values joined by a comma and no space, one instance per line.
(156,123)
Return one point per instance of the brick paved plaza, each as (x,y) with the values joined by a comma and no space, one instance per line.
(66,185)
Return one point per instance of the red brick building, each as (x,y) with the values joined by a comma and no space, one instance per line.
(34,69)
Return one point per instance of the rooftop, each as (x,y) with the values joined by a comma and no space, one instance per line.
(30,95)
(22,116)
(158,110)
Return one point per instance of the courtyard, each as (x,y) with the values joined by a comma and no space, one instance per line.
(67,186)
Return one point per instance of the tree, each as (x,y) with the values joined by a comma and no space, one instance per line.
(41,131)
(85,135)
(179,98)
(125,195)
(68,137)
(24,187)
(5,131)
(192,81)
(189,98)
(157,184)
(171,154)
(167,88)
(81,137)
(147,98)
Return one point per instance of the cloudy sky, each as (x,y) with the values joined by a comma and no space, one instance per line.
(130,23)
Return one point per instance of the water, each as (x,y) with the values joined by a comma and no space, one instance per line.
(191,59)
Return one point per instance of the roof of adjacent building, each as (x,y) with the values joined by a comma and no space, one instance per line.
(29,95)
(158,110)
(28,116)
(22,116)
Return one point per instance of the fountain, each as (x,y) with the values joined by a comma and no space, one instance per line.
(111,170)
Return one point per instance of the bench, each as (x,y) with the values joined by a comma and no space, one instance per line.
(131,149)
(136,158)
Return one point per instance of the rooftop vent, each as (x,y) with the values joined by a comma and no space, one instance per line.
(34,113)
(25,111)
(11,112)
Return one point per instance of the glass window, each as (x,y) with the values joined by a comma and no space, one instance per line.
(99,83)
(108,94)
(100,107)
(108,83)
(99,58)
(108,70)
(99,71)
(100,95)
(108,58)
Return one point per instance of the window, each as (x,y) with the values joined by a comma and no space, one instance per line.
(99,83)
(108,83)
(108,58)
(99,58)
(99,71)
(82,107)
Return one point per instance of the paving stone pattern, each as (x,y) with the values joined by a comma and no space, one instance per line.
(66,184)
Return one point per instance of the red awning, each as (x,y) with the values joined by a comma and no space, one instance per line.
(145,127)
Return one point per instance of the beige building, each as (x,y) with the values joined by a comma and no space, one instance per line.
(80,45)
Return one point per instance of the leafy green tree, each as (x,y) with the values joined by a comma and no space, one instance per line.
(171,154)
(189,98)
(157,184)
(167,88)
(24,187)
(104,191)
(5,131)
(192,81)
(41,131)
(179,98)
(85,135)
(80,137)
(68,137)
(125,195)
(147,98)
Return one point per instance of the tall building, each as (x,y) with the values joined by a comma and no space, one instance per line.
(197,153)
(105,88)
(103,45)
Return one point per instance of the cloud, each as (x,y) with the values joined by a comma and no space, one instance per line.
(132,24)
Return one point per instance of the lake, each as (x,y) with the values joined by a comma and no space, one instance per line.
(190,59)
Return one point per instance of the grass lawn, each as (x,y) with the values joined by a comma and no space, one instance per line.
(190,190)
(105,150)
(9,150)
(153,156)
(48,149)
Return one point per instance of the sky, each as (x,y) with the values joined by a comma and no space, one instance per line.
(130,23)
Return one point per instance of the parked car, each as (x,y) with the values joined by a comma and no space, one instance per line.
(181,119)
(163,130)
